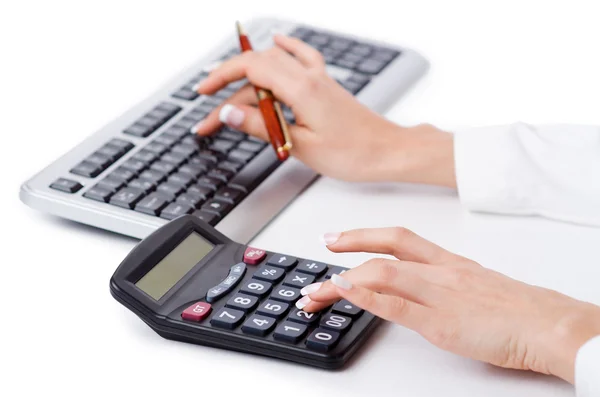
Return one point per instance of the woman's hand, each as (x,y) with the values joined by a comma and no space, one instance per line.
(334,134)
(457,304)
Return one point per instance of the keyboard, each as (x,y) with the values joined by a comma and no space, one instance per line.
(145,168)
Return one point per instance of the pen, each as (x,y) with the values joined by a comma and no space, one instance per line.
(270,109)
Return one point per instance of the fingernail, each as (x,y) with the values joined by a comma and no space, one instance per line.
(231,115)
(300,304)
(196,127)
(330,238)
(196,87)
(340,282)
(309,289)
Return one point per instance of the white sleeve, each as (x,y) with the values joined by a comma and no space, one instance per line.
(587,369)
(551,171)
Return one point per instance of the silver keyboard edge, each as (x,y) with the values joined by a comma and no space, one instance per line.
(255,211)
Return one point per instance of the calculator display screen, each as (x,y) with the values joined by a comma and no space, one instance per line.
(162,277)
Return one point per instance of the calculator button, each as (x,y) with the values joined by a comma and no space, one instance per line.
(299,280)
(290,332)
(300,316)
(258,325)
(253,256)
(334,270)
(256,288)
(238,269)
(310,267)
(283,261)
(268,273)
(322,339)
(196,312)
(335,322)
(347,309)
(286,294)
(273,309)
(66,185)
(242,302)
(235,275)
(227,318)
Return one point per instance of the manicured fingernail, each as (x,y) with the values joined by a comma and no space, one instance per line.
(340,282)
(196,127)
(309,289)
(330,238)
(197,87)
(231,115)
(300,304)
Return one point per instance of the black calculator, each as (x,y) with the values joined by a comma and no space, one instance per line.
(191,283)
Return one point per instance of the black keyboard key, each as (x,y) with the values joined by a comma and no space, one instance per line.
(227,318)
(255,171)
(87,169)
(210,155)
(170,189)
(160,114)
(302,317)
(185,94)
(143,185)
(251,146)
(126,198)
(361,49)
(98,193)
(175,210)
(202,192)
(285,262)
(217,206)
(152,204)
(273,309)
(301,33)
(157,148)
(310,267)
(190,199)
(258,325)
(256,288)
(322,340)
(346,308)
(229,195)
(153,176)
(123,174)
(384,54)
(234,136)
(192,170)
(335,322)
(245,303)
(167,140)
(169,107)
(122,144)
(346,64)
(112,184)
(208,217)
(178,178)
(134,165)
(290,332)
(99,159)
(174,158)
(352,57)
(371,66)
(163,167)
(221,145)
(140,129)
(66,185)
(187,123)
(209,182)
(340,44)
(145,156)
(285,294)
(201,162)
(230,165)
(177,132)
(241,156)
(223,175)
(299,280)
(113,153)
(268,273)
(184,150)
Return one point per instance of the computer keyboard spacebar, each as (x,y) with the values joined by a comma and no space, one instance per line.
(256,171)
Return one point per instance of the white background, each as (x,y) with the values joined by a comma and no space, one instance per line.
(67,68)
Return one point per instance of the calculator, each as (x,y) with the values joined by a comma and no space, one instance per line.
(191,283)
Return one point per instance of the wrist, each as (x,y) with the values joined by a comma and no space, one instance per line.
(421,154)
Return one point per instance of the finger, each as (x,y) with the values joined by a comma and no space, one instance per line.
(397,241)
(405,279)
(273,69)
(392,308)
(211,123)
(306,54)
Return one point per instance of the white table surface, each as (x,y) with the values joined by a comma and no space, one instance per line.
(69,67)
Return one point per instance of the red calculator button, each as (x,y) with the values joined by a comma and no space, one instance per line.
(196,312)
(254,256)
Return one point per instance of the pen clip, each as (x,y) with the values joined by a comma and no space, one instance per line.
(284,127)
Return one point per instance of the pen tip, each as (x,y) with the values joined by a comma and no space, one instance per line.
(240,30)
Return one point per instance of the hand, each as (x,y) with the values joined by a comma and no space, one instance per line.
(334,134)
(458,305)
